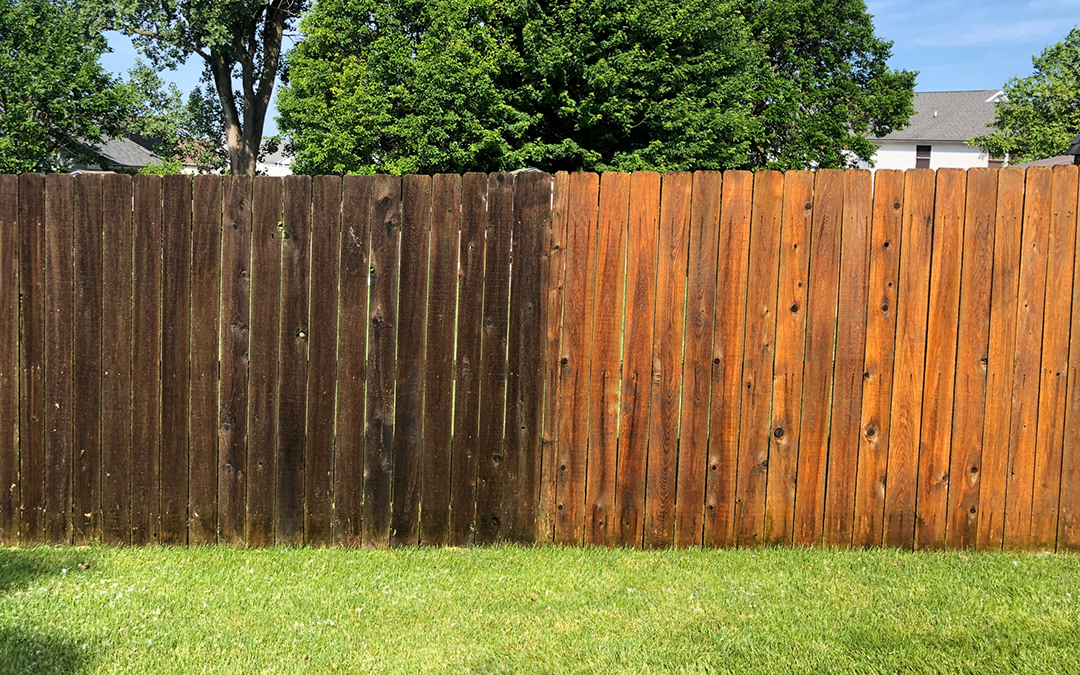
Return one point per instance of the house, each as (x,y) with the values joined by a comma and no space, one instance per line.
(938,132)
(276,163)
(119,154)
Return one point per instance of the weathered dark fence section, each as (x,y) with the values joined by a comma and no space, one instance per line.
(688,359)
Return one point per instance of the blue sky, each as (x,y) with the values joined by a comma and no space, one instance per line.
(954,45)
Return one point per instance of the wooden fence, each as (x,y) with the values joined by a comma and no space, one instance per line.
(739,359)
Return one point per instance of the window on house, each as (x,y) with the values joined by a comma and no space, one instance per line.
(996,161)
(922,156)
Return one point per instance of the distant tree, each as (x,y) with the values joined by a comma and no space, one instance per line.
(56,97)
(1041,114)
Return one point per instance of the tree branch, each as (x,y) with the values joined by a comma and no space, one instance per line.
(155,36)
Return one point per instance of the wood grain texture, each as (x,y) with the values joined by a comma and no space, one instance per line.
(940,367)
(573,433)
(675,210)
(787,375)
(973,336)
(885,241)
(908,367)
(205,311)
(851,318)
(1001,358)
(606,315)
(32,358)
(761,310)
(326,204)
(1068,534)
(235,321)
(352,359)
(9,360)
(642,231)
(727,357)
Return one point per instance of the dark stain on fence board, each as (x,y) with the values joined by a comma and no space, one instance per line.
(32,358)
(9,359)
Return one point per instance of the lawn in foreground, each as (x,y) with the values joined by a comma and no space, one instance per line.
(516,610)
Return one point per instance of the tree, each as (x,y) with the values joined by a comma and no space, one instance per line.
(56,96)
(1041,113)
(236,39)
(825,87)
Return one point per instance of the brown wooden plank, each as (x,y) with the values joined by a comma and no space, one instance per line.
(293,362)
(878,363)
(525,377)
(1050,436)
(1068,535)
(845,426)
(439,360)
(175,356)
(821,332)
(86,375)
(787,376)
(322,358)
(1029,342)
(553,275)
(727,362)
(1004,298)
(761,310)
(205,307)
(9,359)
(905,420)
(940,367)
(233,385)
(264,350)
(412,329)
(32,358)
(493,366)
(59,320)
(971,359)
(382,339)
(697,358)
(356,209)
(641,237)
(671,267)
(465,450)
(606,315)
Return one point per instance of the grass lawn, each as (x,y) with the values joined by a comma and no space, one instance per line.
(515,610)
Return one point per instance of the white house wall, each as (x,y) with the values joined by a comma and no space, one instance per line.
(951,155)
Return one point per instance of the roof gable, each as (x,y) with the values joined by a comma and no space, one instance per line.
(949,115)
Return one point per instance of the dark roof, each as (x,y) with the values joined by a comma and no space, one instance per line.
(1074,147)
(1049,161)
(124,152)
(949,115)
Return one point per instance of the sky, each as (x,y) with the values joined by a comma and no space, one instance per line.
(954,45)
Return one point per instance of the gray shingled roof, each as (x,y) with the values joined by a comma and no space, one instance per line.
(124,152)
(960,115)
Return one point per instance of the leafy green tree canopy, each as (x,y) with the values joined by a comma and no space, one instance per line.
(1041,115)
(56,97)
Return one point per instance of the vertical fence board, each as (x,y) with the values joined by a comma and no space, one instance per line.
(697,353)
(940,367)
(851,320)
(439,360)
(787,378)
(1001,358)
(9,359)
(1068,534)
(382,339)
(175,356)
(86,377)
(572,447)
(606,316)
(761,310)
(885,240)
(352,362)
(409,402)
(233,369)
(205,301)
(32,358)
(727,362)
(1055,358)
(265,351)
(1029,342)
(322,360)
(292,372)
(971,360)
(641,235)
(465,450)
(821,332)
(671,267)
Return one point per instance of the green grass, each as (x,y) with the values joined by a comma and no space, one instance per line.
(514,610)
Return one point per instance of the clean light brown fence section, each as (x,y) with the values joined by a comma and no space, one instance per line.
(736,359)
